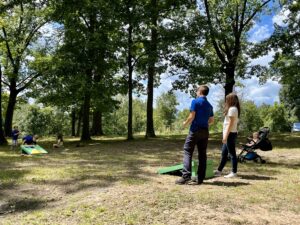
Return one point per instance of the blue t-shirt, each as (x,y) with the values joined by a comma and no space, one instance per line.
(29,140)
(15,134)
(203,110)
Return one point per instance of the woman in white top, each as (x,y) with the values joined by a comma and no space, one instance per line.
(232,114)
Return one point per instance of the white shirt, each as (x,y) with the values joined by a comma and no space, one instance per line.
(232,112)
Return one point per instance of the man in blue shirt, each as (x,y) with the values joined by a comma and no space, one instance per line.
(30,140)
(201,116)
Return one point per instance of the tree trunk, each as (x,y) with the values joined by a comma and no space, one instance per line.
(229,71)
(151,70)
(129,124)
(73,122)
(150,125)
(10,111)
(97,123)
(85,135)
(3,140)
(79,122)
(130,71)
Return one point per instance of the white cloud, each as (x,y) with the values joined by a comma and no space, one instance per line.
(280,18)
(259,33)
(267,93)
(263,60)
(185,99)
(48,30)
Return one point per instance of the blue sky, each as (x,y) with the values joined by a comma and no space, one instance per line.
(267,93)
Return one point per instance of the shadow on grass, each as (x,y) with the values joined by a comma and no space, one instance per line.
(227,184)
(256,177)
(21,205)
(288,165)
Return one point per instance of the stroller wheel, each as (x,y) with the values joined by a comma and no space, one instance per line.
(242,160)
(262,161)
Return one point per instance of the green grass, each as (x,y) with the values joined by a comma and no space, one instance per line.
(112,181)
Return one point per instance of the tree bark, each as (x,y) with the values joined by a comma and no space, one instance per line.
(151,70)
(73,122)
(130,71)
(85,135)
(97,123)
(3,140)
(79,123)
(230,81)
(10,110)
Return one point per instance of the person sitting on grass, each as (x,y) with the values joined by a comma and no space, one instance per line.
(60,141)
(15,135)
(30,140)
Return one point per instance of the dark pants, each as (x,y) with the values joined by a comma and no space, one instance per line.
(229,148)
(199,138)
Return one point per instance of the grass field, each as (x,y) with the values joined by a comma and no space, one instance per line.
(112,181)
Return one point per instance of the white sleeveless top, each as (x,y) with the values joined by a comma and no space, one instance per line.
(232,112)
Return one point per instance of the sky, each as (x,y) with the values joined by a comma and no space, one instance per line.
(267,93)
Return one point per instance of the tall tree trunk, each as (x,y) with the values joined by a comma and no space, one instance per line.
(73,122)
(97,123)
(130,71)
(85,135)
(100,124)
(79,123)
(10,110)
(229,71)
(3,140)
(151,69)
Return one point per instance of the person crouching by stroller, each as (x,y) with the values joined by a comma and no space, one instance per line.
(15,135)
(232,114)
(30,140)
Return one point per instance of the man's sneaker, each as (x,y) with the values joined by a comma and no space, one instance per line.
(217,173)
(231,175)
(183,180)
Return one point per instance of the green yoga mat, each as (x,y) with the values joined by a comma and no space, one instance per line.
(33,149)
(177,169)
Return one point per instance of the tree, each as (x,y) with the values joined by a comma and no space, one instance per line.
(251,120)
(20,27)
(166,108)
(222,42)
(163,20)
(286,64)
(90,31)
(3,140)
(133,21)
(115,122)
(34,119)
(277,118)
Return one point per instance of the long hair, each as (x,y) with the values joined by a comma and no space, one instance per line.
(230,101)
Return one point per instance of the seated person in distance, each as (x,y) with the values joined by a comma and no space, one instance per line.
(60,141)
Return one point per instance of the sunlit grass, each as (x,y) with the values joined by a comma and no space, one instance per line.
(112,181)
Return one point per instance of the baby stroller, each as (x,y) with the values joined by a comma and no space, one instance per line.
(263,143)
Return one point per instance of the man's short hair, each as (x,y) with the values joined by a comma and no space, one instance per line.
(204,90)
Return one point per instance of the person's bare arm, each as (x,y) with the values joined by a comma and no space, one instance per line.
(190,119)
